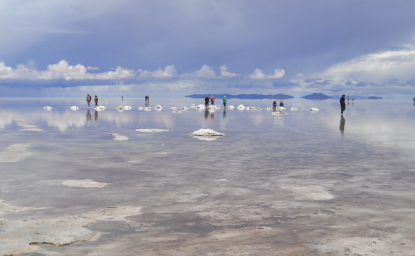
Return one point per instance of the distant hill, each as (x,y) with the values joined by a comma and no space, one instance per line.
(279,96)
(374,98)
(317,96)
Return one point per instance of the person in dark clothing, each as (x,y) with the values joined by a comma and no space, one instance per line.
(206,101)
(96,101)
(274,104)
(342,103)
(342,124)
(281,104)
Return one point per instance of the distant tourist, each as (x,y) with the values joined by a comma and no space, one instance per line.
(224,101)
(274,104)
(122,98)
(343,103)
(88,99)
(206,101)
(212,99)
(96,101)
(281,104)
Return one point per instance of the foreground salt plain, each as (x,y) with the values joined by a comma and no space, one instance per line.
(305,183)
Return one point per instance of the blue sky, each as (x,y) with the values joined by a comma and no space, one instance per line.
(175,48)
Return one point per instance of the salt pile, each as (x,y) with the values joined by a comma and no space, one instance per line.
(200,107)
(185,108)
(119,137)
(293,109)
(281,109)
(241,107)
(173,108)
(100,108)
(278,113)
(30,128)
(151,130)
(74,108)
(140,108)
(158,107)
(84,183)
(48,108)
(177,111)
(127,108)
(206,134)
(230,107)
(14,153)
(314,109)
(192,105)
(120,108)
(147,108)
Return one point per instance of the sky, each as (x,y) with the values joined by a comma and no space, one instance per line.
(170,49)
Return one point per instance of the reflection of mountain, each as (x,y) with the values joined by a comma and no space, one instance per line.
(317,96)
(374,98)
(279,96)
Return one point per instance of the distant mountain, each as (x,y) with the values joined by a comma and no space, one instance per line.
(279,96)
(374,98)
(317,96)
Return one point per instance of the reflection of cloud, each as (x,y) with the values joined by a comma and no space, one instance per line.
(168,72)
(206,72)
(258,74)
(225,73)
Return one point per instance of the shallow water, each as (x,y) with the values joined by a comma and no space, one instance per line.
(305,183)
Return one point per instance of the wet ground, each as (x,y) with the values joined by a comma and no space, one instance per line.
(305,183)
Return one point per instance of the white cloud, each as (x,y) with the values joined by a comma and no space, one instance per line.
(92,68)
(168,72)
(62,70)
(225,73)
(258,74)
(206,72)
(299,75)
(375,67)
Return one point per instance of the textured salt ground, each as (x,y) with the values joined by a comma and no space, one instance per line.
(206,134)
(151,130)
(14,153)
(119,137)
(21,236)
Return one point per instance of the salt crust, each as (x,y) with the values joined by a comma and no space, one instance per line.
(100,108)
(14,153)
(147,108)
(119,137)
(311,192)
(293,109)
(278,113)
(184,108)
(74,108)
(30,128)
(84,183)
(120,108)
(314,109)
(22,236)
(140,108)
(127,108)
(48,108)
(173,108)
(206,134)
(151,130)
(230,107)
(176,111)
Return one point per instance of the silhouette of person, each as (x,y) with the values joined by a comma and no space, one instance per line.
(96,115)
(224,114)
(206,114)
(342,124)
(212,117)
(342,103)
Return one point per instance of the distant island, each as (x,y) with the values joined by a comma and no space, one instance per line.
(374,97)
(317,96)
(279,96)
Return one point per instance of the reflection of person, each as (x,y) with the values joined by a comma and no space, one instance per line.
(88,116)
(342,124)
(122,98)
(96,101)
(225,100)
(224,114)
(88,99)
(212,99)
(206,114)
(206,101)
(96,115)
(212,117)
(343,103)
(281,104)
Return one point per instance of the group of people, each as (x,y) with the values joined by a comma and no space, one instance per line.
(274,104)
(212,100)
(89,98)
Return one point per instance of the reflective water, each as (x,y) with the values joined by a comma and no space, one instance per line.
(305,183)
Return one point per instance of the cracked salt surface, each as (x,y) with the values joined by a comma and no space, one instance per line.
(84,184)
(206,134)
(22,236)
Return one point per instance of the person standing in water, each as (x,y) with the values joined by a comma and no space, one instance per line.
(88,99)
(342,103)
(96,101)
(212,99)
(224,101)
(206,101)
(281,104)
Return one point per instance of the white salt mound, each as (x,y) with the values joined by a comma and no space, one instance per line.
(206,132)
(200,107)
(185,108)
(268,109)
(278,113)
(241,107)
(119,137)
(192,105)
(177,111)
(100,108)
(74,108)
(173,108)
(151,130)
(140,108)
(120,108)
(293,109)
(314,109)
(147,108)
(158,107)
(48,108)
(84,183)
(127,108)
(30,128)
(230,107)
